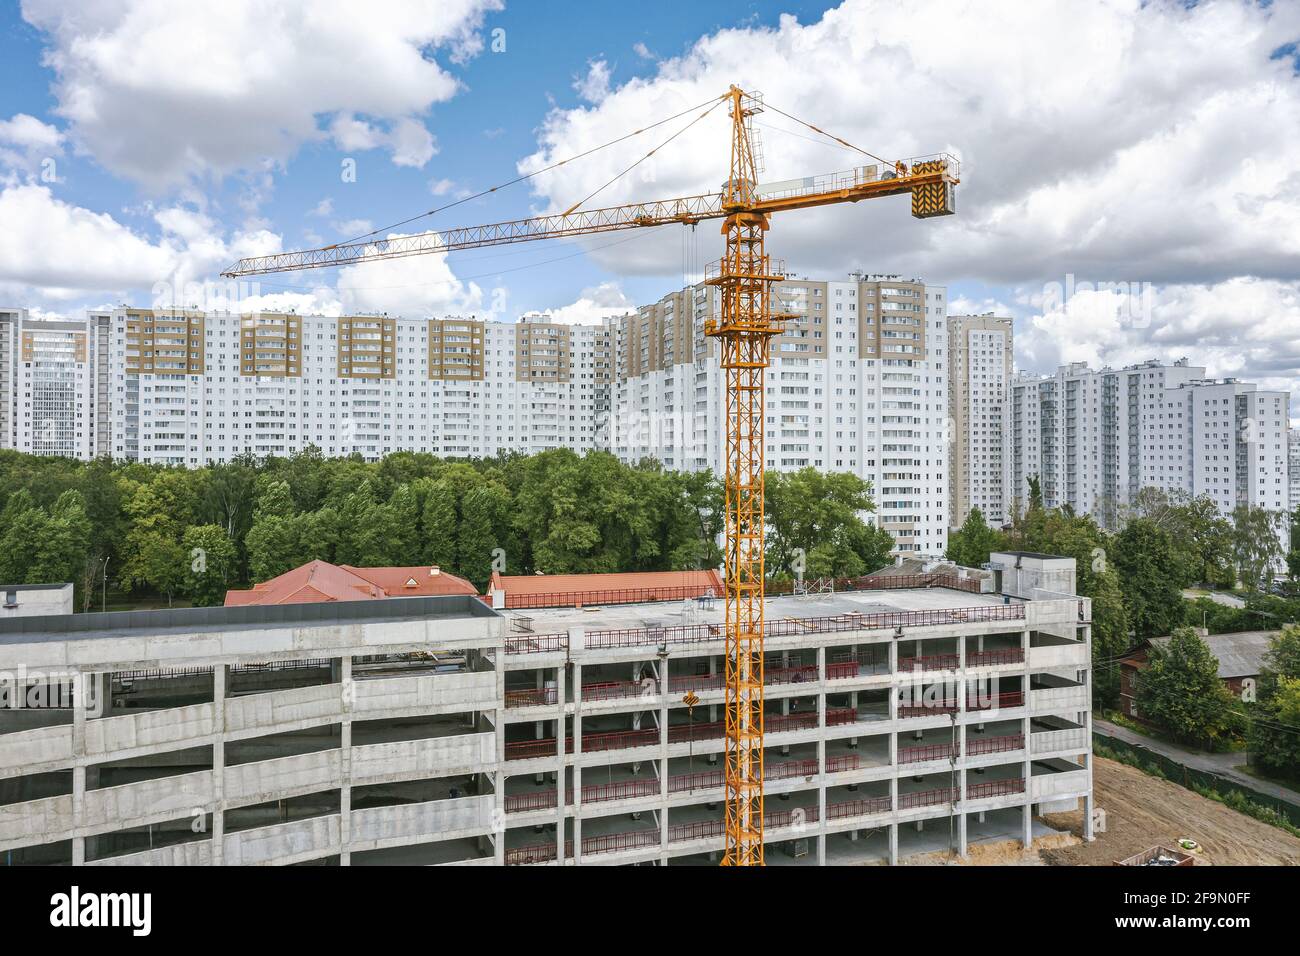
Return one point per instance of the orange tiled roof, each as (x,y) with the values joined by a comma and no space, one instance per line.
(649,581)
(320,581)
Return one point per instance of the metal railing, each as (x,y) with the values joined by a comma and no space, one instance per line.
(783,627)
(679,783)
(677,733)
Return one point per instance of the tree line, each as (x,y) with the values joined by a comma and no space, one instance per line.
(147,531)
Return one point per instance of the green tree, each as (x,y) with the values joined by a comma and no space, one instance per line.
(972,543)
(1255,544)
(212,562)
(1275,728)
(1143,555)
(1180,689)
(438,525)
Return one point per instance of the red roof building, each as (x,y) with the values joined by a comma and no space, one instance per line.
(579,590)
(319,581)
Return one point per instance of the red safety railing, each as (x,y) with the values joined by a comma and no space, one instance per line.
(783,627)
(530,698)
(931,662)
(679,783)
(995,788)
(927,798)
(778,820)
(1005,655)
(784,818)
(699,830)
(695,591)
(677,733)
(858,808)
(619,842)
(1013,698)
(535,800)
(994,745)
(927,752)
(697,682)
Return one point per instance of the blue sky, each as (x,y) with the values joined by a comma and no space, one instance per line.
(1149,146)
(482,133)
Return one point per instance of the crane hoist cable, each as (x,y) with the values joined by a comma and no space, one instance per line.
(526,176)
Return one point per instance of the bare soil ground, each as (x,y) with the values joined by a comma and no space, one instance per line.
(1142,811)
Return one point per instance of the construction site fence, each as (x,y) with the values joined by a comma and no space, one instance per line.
(1191,777)
(598,596)
(783,627)
(795,819)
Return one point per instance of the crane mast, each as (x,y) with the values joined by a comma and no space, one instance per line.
(744,331)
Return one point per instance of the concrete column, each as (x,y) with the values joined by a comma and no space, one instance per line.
(345,762)
(893,844)
(663,761)
(961,813)
(498,768)
(220,680)
(80,689)
(785,702)
(713,708)
(853,702)
(560,692)
(539,728)
(577,765)
(1027,824)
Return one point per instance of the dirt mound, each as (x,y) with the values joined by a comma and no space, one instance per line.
(1142,811)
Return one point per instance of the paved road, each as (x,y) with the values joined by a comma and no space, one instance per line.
(1218,597)
(1225,765)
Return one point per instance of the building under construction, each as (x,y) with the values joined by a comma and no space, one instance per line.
(910,715)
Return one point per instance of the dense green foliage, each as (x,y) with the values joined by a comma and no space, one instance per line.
(1275,727)
(192,534)
(1180,690)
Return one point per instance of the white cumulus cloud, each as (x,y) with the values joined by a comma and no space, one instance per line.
(162,92)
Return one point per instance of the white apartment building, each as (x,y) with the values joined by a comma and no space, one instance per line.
(1095,438)
(1293,467)
(53,379)
(858,382)
(981,363)
(193,388)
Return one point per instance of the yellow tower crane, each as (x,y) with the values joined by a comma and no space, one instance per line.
(744,331)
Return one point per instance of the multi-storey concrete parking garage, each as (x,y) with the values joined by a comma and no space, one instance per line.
(435,730)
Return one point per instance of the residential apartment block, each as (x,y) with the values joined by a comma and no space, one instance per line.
(54,388)
(981,365)
(858,382)
(1095,438)
(189,390)
(437,730)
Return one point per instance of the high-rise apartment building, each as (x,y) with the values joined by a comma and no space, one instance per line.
(54,384)
(1293,467)
(193,389)
(1094,438)
(980,364)
(858,382)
